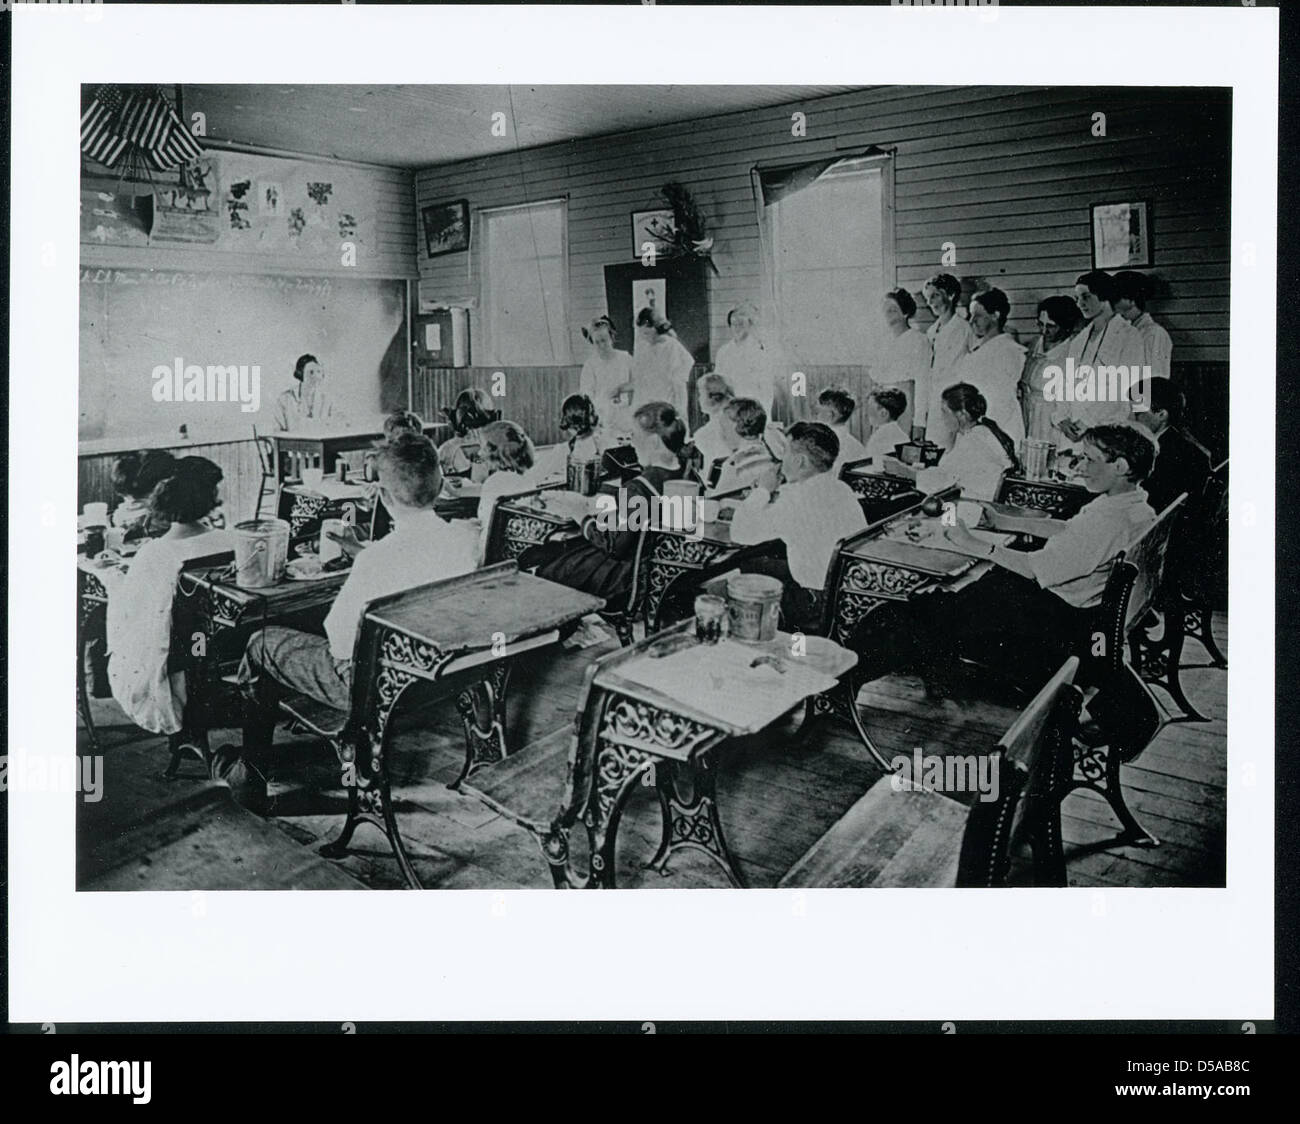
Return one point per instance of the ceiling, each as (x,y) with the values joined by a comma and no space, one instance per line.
(418,126)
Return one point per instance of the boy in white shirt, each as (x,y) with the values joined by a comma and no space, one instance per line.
(834,408)
(884,407)
(1032,610)
(809,514)
(280,661)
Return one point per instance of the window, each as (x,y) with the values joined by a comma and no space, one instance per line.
(523,276)
(830,259)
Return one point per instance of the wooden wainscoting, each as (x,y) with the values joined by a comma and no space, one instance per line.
(238,460)
(533,395)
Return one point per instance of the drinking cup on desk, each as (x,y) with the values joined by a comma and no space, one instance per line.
(709,510)
(710,618)
(94,515)
(114,539)
(1038,458)
(329,549)
(312,477)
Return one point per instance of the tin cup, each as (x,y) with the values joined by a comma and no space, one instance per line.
(711,623)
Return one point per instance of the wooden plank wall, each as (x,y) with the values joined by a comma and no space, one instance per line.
(238,460)
(1005,173)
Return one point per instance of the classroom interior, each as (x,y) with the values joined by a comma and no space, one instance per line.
(422,241)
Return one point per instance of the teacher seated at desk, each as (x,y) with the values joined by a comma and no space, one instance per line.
(307,405)
(981,452)
(809,514)
(1031,611)
(278,661)
(139,620)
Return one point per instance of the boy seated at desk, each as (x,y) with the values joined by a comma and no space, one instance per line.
(743,423)
(139,620)
(810,513)
(885,406)
(834,408)
(1031,610)
(280,661)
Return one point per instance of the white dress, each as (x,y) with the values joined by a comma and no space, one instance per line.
(751,369)
(950,343)
(599,381)
(904,362)
(660,373)
(993,366)
(139,625)
(1113,344)
(709,441)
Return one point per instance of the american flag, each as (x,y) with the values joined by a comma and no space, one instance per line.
(137,121)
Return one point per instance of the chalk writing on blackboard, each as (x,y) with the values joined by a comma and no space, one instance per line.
(317,286)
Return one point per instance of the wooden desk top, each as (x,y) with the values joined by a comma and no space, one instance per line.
(770,694)
(482,607)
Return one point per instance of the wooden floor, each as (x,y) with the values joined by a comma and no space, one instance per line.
(777,795)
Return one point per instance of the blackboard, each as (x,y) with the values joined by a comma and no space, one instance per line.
(134,320)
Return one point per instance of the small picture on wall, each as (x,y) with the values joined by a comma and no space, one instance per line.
(446,227)
(1121,235)
(269,196)
(654,227)
(651,294)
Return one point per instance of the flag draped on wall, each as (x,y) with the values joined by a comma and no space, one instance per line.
(139,124)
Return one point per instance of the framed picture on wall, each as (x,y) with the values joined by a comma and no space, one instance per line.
(446,227)
(655,227)
(1121,235)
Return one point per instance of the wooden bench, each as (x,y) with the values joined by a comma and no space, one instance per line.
(902,834)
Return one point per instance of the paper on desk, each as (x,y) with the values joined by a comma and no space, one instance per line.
(716,679)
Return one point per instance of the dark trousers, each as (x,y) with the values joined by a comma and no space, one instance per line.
(1003,620)
(282,661)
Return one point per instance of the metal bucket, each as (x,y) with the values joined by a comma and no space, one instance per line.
(583,476)
(753,606)
(261,551)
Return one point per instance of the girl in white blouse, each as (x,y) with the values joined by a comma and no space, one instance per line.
(512,464)
(995,361)
(904,362)
(950,337)
(750,365)
(139,618)
(980,453)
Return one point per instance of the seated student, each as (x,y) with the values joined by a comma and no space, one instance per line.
(980,451)
(402,421)
(743,424)
(884,407)
(1027,614)
(135,476)
(579,420)
(712,393)
(279,661)
(602,560)
(810,513)
(834,408)
(512,468)
(1182,462)
(460,453)
(139,617)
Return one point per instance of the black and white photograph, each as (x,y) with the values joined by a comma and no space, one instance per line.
(881,546)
